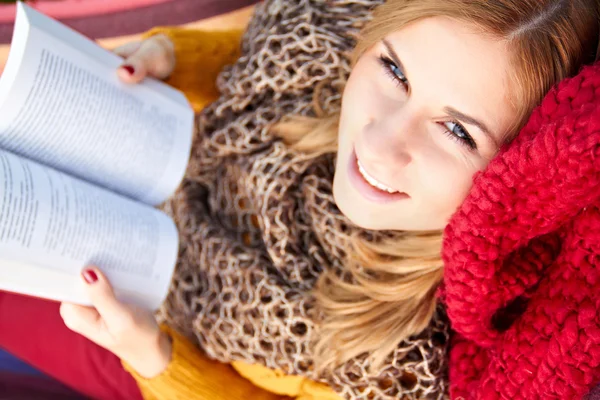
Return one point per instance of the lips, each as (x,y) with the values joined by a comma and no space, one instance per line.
(369,187)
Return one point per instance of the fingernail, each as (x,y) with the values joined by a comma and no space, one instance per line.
(129,69)
(90,276)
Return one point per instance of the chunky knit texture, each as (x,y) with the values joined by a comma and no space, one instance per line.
(257,220)
(522,279)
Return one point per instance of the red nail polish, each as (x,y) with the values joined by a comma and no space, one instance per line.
(129,69)
(90,276)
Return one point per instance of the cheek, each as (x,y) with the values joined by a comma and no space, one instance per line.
(446,183)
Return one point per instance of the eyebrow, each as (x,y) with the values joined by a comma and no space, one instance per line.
(454,113)
(395,57)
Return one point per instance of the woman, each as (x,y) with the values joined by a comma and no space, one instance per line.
(277,273)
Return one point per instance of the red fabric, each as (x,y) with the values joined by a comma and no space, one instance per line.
(522,259)
(32,330)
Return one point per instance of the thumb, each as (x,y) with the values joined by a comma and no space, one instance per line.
(128,72)
(103,298)
(86,321)
(148,58)
(128,49)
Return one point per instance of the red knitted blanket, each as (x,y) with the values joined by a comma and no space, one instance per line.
(522,259)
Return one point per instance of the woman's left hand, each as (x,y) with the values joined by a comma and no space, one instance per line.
(130,333)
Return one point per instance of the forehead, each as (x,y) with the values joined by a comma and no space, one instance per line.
(451,63)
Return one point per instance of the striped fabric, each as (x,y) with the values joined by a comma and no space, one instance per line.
(110,18)
(114,22)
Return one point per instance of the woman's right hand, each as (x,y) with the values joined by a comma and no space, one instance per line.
(154,57)
(131,333)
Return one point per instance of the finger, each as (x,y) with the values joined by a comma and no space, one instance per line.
(129,74)
(114,314)
(84,320)
(152,58)
(128,49)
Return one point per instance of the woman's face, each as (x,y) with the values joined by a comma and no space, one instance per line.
(422,112)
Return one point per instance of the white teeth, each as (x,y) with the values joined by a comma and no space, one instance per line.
(372,181)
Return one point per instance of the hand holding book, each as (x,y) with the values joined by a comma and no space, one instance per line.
(129,332)
(153,57)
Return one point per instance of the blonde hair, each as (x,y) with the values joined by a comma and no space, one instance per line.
(392,292)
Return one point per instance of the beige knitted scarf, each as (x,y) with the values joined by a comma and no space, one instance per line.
(258,222)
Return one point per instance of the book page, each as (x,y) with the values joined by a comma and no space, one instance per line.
(61,104)
(55,225)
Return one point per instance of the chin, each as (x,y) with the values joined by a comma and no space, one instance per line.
(365,222)
(358,217)
(354,212)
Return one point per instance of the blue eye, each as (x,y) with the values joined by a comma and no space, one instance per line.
(453,129)
(458,132)
(393,71)
(396,71)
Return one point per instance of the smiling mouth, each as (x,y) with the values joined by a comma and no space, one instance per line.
(372,181)
(369,187)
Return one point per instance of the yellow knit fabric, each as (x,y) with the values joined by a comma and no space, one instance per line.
(200,56)
(297,387)
(190,375)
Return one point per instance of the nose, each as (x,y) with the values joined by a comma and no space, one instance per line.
(389,140)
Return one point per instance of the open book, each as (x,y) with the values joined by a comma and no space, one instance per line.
(83,160)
